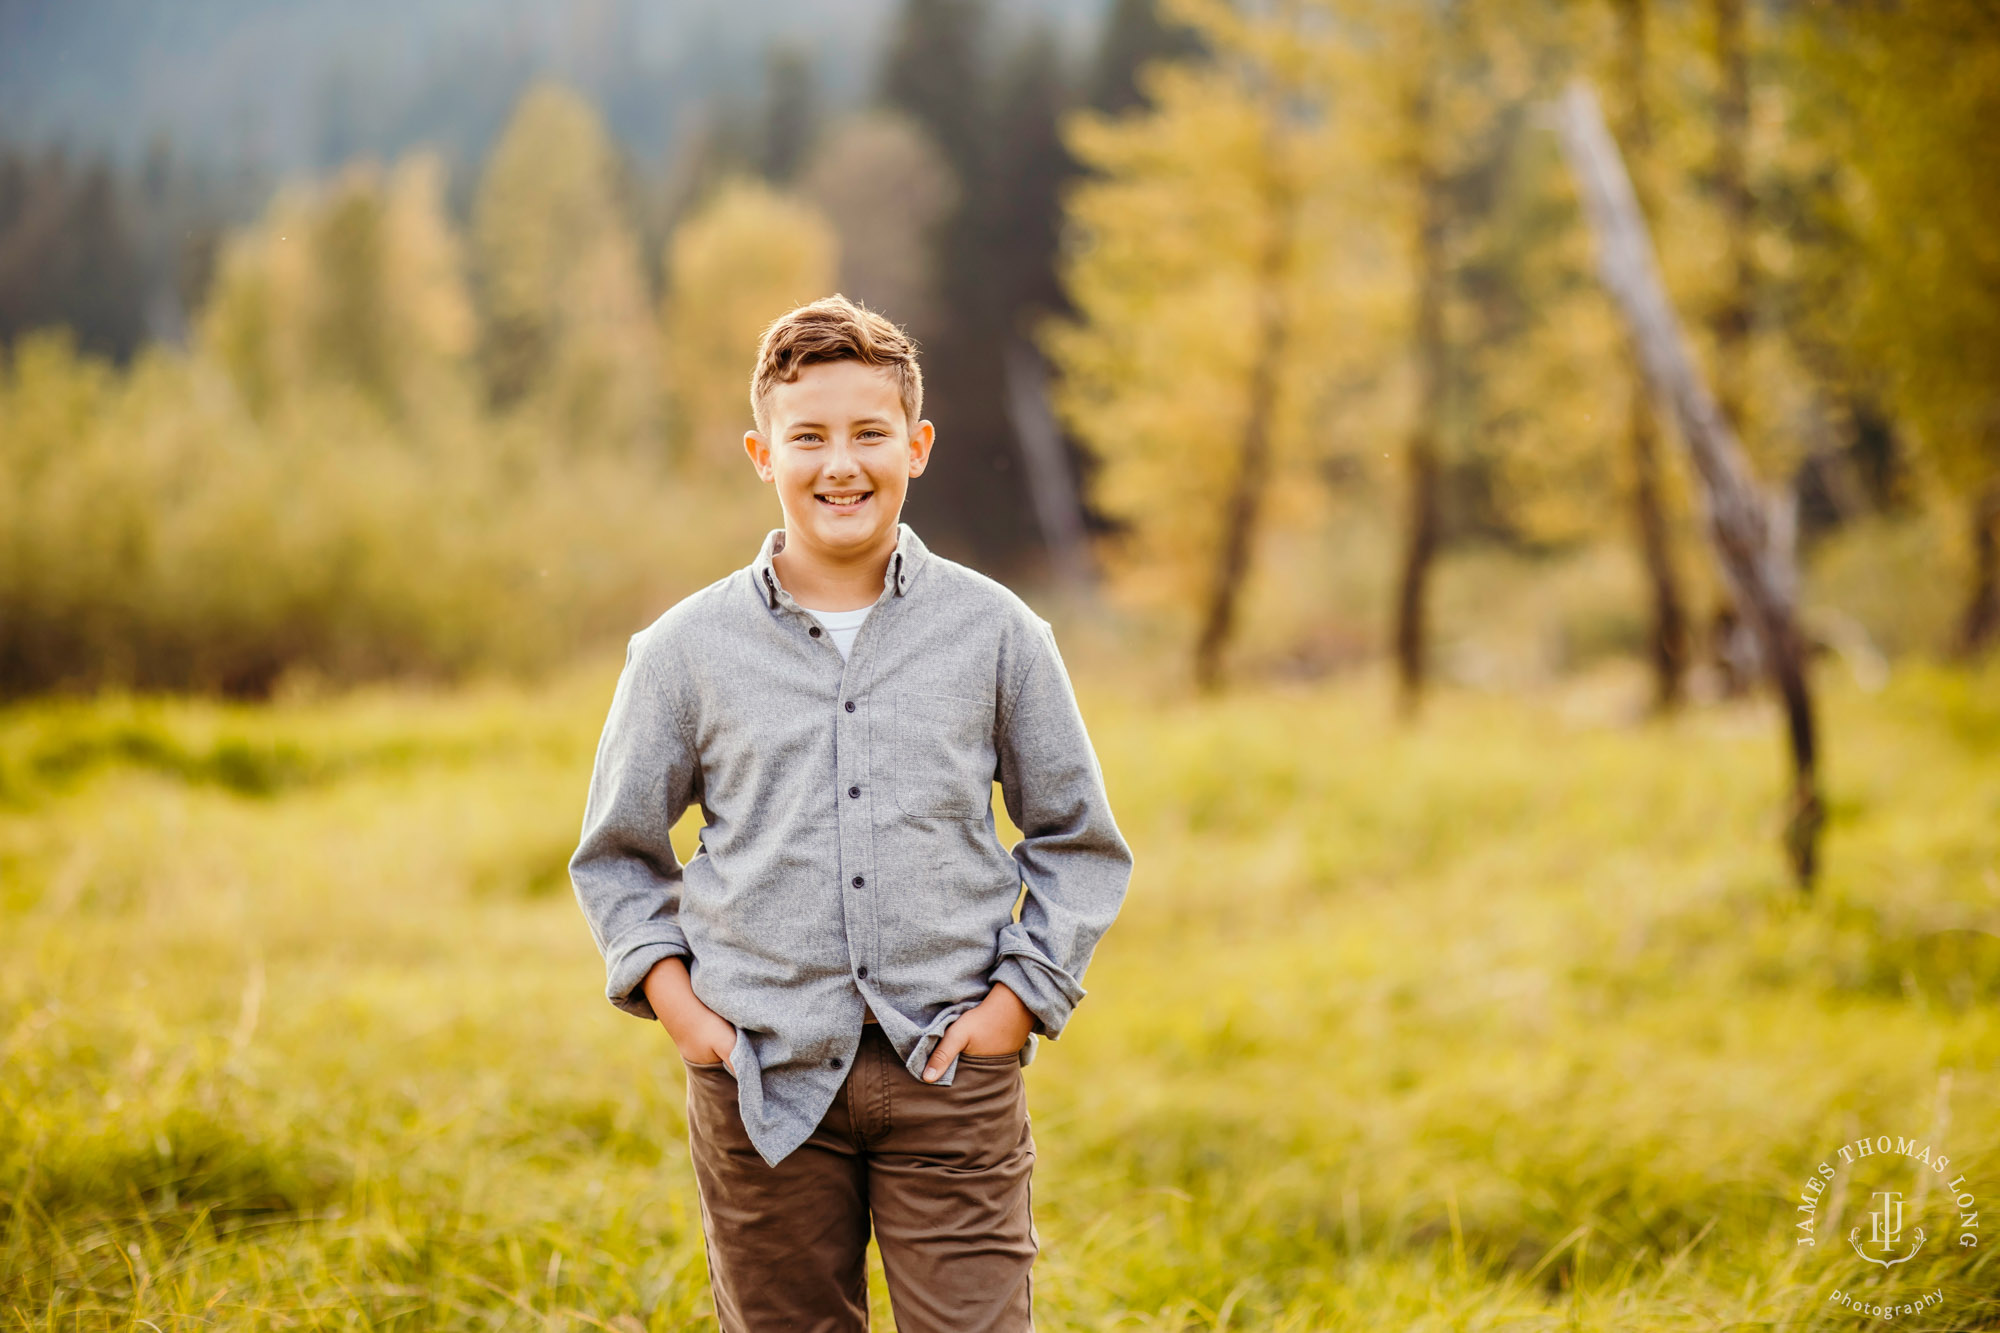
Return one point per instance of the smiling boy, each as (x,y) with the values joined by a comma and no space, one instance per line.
(839,963)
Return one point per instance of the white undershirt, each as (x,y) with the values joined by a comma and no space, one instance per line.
(842,625)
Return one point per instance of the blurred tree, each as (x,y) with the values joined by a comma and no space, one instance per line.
(1759,571)
(1400,132)
(1731,317)
(1912,95)
(744,258)
(1027,166)
(1736,642)
(357,284)
(933,71)
(888,254)
(1666,638)
(790,112)
(1424,171)
(1135,34)
(1446,85)
(990,110)
(568,331)
(1221,290)
(66,253)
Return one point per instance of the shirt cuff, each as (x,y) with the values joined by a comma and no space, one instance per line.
(627,969)
(1049,993)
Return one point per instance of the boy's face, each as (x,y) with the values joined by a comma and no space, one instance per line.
(841,453)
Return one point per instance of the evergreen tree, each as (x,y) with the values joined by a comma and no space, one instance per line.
(888,255)
(67,255)
(1135,34)
(791,109)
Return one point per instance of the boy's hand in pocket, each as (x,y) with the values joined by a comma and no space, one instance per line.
(700,1034)
(997,1025)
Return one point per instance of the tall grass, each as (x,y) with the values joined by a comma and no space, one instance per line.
(1510,1019)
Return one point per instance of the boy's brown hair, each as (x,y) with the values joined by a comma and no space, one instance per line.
(835,329)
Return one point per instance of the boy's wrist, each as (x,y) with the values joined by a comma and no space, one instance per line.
(1007,996)
(667,986)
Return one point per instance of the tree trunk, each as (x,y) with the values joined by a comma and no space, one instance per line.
(1420,462)
(1239,520)
(1982,613)
(1667,640)
(1667,646)
(1737,649)
(1731,322)
(1757,568)
(1051,482)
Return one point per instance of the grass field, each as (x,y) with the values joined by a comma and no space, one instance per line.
(1508,1019)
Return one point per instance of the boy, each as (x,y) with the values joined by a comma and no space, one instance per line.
(839,963)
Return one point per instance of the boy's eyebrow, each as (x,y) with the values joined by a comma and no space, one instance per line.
(818,425)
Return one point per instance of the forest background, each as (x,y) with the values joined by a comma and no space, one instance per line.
(371,372)
(446,382)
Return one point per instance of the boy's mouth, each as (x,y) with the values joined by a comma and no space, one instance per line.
(848,501)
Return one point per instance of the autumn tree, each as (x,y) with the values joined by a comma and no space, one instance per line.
(1667,633)
(1434,95)
(745,257)
(355,284)
(568,334)
(1204,262)
(1909,96)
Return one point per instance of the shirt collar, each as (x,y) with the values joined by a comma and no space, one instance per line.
(904,565)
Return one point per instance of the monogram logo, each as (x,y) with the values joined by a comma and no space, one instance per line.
(1881,1191)
(1885,1230)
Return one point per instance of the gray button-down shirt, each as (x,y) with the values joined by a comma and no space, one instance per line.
(850,857)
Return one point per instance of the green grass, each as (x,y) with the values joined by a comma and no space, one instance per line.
(1508,1019)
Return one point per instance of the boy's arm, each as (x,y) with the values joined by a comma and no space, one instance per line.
(1072,858)
(626,875)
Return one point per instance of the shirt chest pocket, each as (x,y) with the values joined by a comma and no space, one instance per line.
(944,755)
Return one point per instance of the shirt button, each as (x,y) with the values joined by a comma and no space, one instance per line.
(834,1063)
(861,972)
(854,791)
(858,881)
(814,631)
(850,705)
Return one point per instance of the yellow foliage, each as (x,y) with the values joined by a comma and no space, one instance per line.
(354,285)
(570,336)
(1917,92)
(161,536)
(1162,265)
(744,258)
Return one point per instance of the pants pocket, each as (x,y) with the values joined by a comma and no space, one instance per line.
(1013,1058)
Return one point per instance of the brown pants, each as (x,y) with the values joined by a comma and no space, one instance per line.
(944,1171)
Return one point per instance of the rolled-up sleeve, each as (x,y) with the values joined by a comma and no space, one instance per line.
(625,872)
(1075,863)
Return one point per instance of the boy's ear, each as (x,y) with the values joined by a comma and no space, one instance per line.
(920,447)
(759,450)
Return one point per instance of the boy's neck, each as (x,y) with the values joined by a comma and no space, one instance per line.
(834,580)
